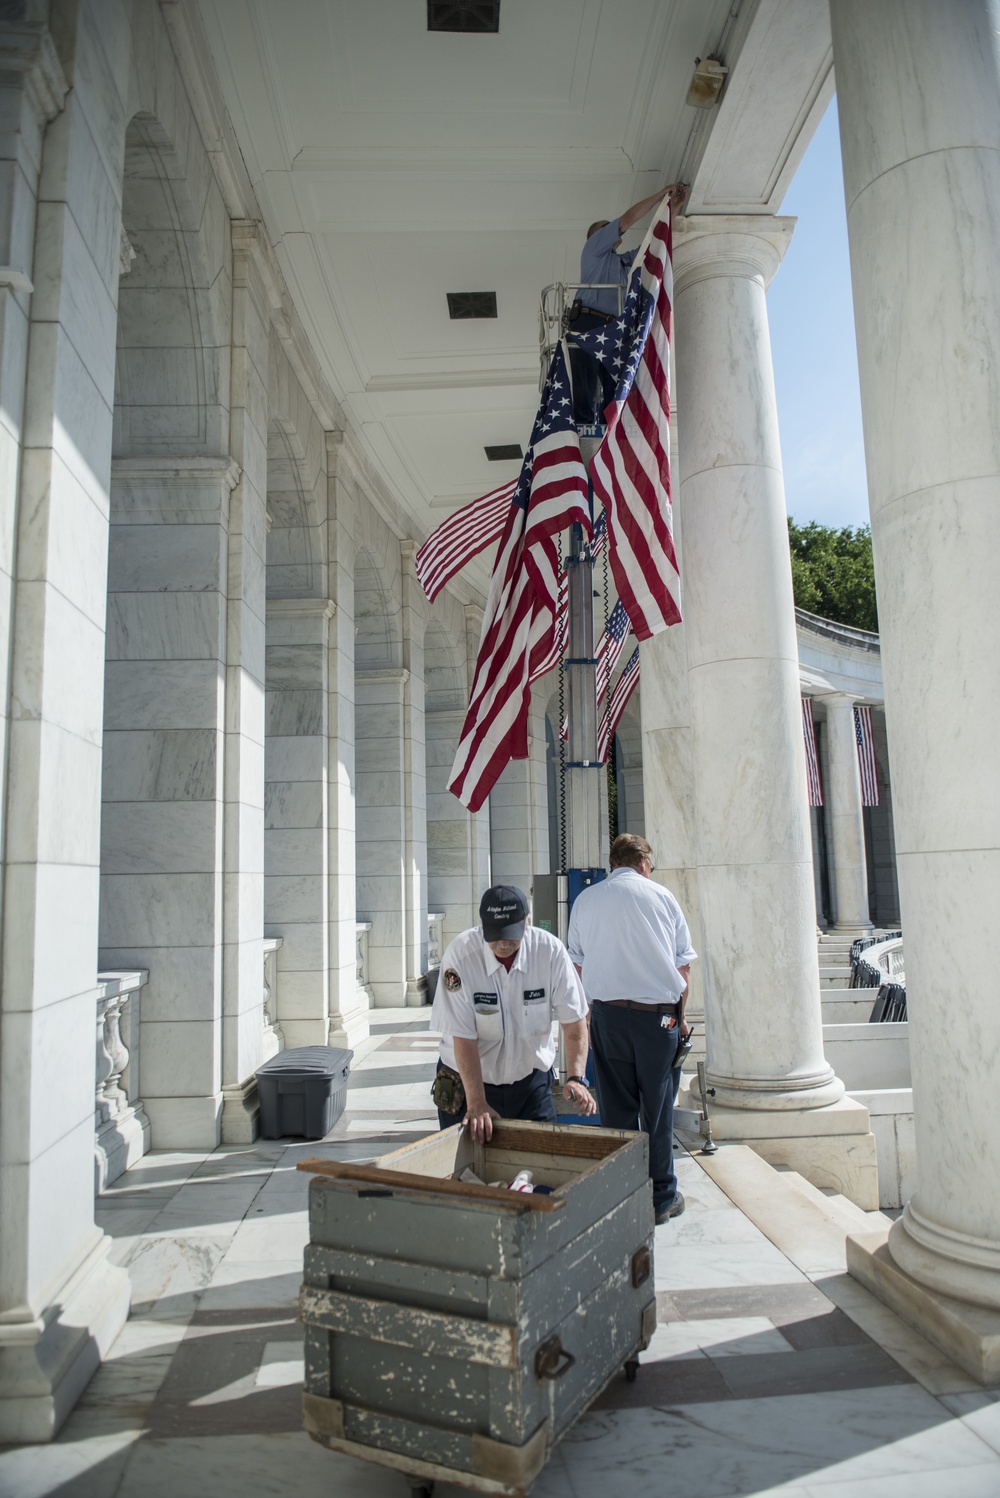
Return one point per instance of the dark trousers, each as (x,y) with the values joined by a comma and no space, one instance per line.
(531,1097)
(633,1061)
(593,386)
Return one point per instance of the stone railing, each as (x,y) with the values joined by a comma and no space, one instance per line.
(844,634)
(435,939)
(121,1128)
(361,930)
(274,1041)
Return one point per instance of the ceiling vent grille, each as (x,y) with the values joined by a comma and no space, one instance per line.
(482,16)
(509,452)
(463,304)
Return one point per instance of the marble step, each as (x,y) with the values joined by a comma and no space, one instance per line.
(807,1226)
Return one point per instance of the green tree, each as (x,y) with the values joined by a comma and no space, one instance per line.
(832,572)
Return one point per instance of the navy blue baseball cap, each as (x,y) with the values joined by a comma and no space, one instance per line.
(503,911)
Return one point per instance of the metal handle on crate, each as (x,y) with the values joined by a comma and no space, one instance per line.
(548,1358)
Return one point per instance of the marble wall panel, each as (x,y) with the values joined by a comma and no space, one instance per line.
(304,942)
(162,694)
(54,906)
(164,626)
(294,714)
(180,1058)
(59,773)
(161,765)
(301,994)
(66,411)
(160,838)
(294,803)
(159,909)
(297,850)
(287,896)
(70,290)
(63,1032)
(63,534)
(292,758)
(180,977)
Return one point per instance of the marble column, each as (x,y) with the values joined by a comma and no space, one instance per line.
(846,816)
(62,1302)
(668,768)
(413,620)
(380,781)
(519,808)
(458,842)
(349,1004)
(163,810)
(758,920)
(919,91)
(243,956)
(296,871)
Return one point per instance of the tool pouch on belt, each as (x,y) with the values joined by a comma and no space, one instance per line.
(447,1091)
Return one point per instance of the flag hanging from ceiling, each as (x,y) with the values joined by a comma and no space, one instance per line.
(866,755)
(631,469)
(520,617)
(461,537)
(812,758)
(548,660)
(621,692)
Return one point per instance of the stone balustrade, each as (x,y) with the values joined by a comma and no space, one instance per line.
(435,939)
(274,1040)
(121,1127)
(362,930)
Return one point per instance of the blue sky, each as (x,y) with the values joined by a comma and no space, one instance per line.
(812,341)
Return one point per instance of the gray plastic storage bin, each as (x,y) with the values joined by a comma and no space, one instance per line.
(303,1091)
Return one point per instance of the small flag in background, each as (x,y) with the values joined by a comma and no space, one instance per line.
(621,692)
(866,756)
(610,646)
(812,758)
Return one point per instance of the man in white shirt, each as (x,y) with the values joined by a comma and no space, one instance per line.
(631,946)
(502,986)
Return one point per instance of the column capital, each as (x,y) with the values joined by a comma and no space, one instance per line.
(748,246)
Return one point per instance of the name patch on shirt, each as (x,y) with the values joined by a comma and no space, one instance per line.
(531,994)
(485,1000)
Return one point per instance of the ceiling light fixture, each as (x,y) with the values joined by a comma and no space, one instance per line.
(482,16)
(706,82)
(463,304)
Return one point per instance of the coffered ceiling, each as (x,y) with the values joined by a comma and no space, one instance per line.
(393,165)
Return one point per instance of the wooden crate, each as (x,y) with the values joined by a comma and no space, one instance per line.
(455,1331)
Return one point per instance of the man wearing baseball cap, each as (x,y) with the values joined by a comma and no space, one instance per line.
(502,986)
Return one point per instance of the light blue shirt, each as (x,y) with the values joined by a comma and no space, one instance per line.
(601,262)
(629,937)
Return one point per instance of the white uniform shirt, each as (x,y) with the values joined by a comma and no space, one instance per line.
(510,1014)
(629,936)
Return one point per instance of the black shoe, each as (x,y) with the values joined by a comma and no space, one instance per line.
(672,1209)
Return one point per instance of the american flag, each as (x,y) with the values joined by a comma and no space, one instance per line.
(520,618)
(866,755)
(621,692)
(461,537)
(631,469)
(812,758)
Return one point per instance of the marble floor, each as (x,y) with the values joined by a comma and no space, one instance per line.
(766,1373)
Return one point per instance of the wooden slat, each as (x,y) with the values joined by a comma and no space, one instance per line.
(579,1140)
(434,1333)
(387,1180)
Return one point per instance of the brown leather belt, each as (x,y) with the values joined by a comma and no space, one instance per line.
(634,1004)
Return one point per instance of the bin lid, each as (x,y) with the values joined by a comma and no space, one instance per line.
(318,1060)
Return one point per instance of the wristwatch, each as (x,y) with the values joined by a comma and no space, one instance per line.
(581,1080)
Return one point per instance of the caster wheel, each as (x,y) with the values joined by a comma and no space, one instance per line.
(632,1369)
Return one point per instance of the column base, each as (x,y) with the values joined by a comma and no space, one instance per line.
(968,1334)
(777,1094)
(185,1123)
(351,1026)
(416,992)
(831,1146)
(852,928)
(240,1112)
(46,1364)
(118,1144)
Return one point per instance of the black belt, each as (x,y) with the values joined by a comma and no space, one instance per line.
(605,316)
(671,1008)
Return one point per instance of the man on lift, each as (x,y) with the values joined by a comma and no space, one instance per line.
(502,986)
(600,262)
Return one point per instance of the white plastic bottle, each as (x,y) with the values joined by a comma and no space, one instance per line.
(522,1181)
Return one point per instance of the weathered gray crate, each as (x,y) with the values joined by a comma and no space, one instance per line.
(455,1331)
